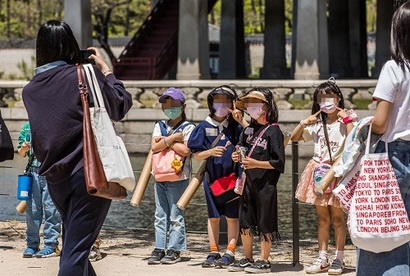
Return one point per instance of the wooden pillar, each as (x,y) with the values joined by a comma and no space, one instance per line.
(274,57)
(339,54)
(232,41)
(385,10)
(358,39)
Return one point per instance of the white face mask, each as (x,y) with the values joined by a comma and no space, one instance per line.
(221,109)
(255,110)
(327,107)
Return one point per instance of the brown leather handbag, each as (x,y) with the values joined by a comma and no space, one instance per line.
(95,179)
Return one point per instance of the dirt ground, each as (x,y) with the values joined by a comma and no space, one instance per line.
(125,253)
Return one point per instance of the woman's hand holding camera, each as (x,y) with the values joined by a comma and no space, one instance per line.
(99,61)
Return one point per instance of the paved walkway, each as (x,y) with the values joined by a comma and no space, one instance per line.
(125,253)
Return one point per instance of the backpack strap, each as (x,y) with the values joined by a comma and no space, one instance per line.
(180,126)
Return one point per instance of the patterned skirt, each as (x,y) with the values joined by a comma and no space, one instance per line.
(305,189)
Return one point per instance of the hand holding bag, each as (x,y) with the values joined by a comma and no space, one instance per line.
(95,179)
(378,221)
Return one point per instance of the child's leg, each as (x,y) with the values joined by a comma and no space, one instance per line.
(34,213)
(340,231)
(323,233)
(247,243)
(265,249)
(321,264)
(213,233)
(233,232)
(52,219)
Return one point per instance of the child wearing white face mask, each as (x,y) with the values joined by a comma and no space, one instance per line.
(172,134)
(328,126)
(223,123)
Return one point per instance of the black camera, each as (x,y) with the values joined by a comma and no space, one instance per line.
(85,54)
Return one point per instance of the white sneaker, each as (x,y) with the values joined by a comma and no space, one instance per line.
(320,265)
(336,268)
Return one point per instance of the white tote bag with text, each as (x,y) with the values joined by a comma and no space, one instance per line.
(113,154)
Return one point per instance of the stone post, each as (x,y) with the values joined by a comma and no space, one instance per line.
(312,58)
(77,14)
(193,42)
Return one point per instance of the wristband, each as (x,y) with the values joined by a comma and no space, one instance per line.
(302,124)
(347,120)
(166,143)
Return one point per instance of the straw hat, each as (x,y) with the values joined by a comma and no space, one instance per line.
(240,103)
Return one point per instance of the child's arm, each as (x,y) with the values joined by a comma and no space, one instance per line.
(25,147)
(298,131)
(347,119)
(159,143)
(217,151)
(181,148)
(250,163)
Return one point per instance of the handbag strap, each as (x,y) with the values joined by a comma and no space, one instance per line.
(327,141)
(93,86)
(218,138)
(369,136)
(179,126)
(30,161)
(255,141)
(82,86)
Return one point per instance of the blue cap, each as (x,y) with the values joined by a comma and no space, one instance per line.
(173,93)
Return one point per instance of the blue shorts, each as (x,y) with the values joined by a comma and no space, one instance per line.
(229,210)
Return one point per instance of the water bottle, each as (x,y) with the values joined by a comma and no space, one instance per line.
(240,183)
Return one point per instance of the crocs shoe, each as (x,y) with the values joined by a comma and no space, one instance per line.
(210,260)
(48,252)
(30,252)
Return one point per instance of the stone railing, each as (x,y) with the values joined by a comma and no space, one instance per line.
(196,91)
(136,127)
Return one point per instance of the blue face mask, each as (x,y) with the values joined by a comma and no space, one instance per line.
(173,112)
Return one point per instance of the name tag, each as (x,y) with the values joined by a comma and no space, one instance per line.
(211,131)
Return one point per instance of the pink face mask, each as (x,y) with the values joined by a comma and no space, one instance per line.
(221,109)
(328,107)
(255,110)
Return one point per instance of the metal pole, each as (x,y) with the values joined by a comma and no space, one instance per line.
(295,206)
